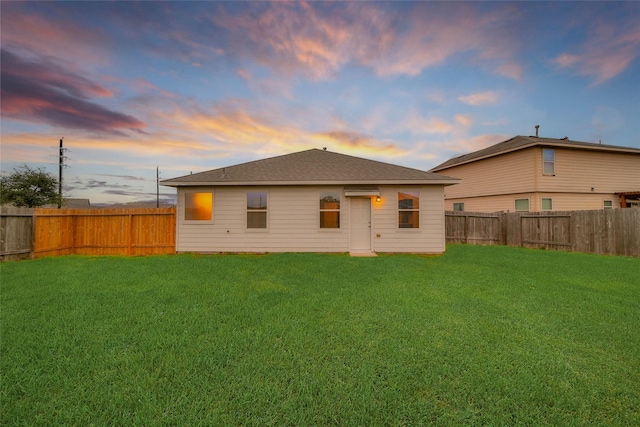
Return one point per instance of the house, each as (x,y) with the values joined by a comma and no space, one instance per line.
(531,173)
(311,201)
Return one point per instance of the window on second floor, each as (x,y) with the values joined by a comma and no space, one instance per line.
(548,160)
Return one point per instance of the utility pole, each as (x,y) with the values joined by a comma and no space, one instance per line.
(60,166)
(157,186)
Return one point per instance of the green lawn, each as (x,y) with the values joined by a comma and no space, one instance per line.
(478,336)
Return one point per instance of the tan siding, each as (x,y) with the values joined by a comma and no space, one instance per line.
(508,173)
(505,203)
(293,223)
(560,201)
(429,238)
(572,201)
(577,171)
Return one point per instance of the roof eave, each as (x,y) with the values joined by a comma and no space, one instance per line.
(447,181)
(522,147)
(596,147)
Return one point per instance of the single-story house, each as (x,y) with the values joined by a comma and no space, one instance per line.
(311,201)
(533,174)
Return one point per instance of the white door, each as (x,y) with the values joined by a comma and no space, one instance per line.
(360,224)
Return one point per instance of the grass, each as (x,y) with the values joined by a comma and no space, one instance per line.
(478,336)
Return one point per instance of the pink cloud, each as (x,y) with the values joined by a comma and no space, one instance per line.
(607,53)
(566,60)
(470,144)
(419,125)
(244,74)
(464,119)
(481,98)
(511,70)
(319,39)
(357,142)
(237,127)
(64,38)
(290,37)
(144,85)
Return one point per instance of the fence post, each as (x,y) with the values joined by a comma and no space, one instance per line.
(32,244)
(466,229)
(74,232)
(130,234)
(521,231)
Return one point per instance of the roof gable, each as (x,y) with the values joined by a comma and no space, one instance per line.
(522,142)
(311,167)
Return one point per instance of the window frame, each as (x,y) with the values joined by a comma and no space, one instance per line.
(257,210)
(184,206)
(323,210)
(400,210)
(604,204)
(458,203)
(550,204)
(551,162)
(515,205)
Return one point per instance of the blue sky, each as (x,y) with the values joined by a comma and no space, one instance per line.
(192,86)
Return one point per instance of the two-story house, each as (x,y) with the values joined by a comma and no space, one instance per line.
(530,173)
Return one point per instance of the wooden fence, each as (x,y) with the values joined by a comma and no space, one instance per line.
(105,231)
(34,233)
(611,231)
(28,233)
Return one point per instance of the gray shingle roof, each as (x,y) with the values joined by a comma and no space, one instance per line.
(519,142)
(308,168)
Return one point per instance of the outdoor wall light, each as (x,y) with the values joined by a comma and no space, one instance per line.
(378,199)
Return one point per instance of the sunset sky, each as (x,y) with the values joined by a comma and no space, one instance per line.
(192,86)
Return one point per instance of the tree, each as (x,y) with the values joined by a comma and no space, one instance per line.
(30,188)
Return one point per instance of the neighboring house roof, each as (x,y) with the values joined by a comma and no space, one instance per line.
(71,203)
(520,142)
(311,167)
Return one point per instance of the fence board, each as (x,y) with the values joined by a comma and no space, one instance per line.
(485,229)
(610,232)
(545,231)
(16,233)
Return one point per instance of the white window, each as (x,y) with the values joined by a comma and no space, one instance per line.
(257,209)
(548,160)
(522,205)
(547,204)
(329,209)
(409,209)
(198,206)
(608,204)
